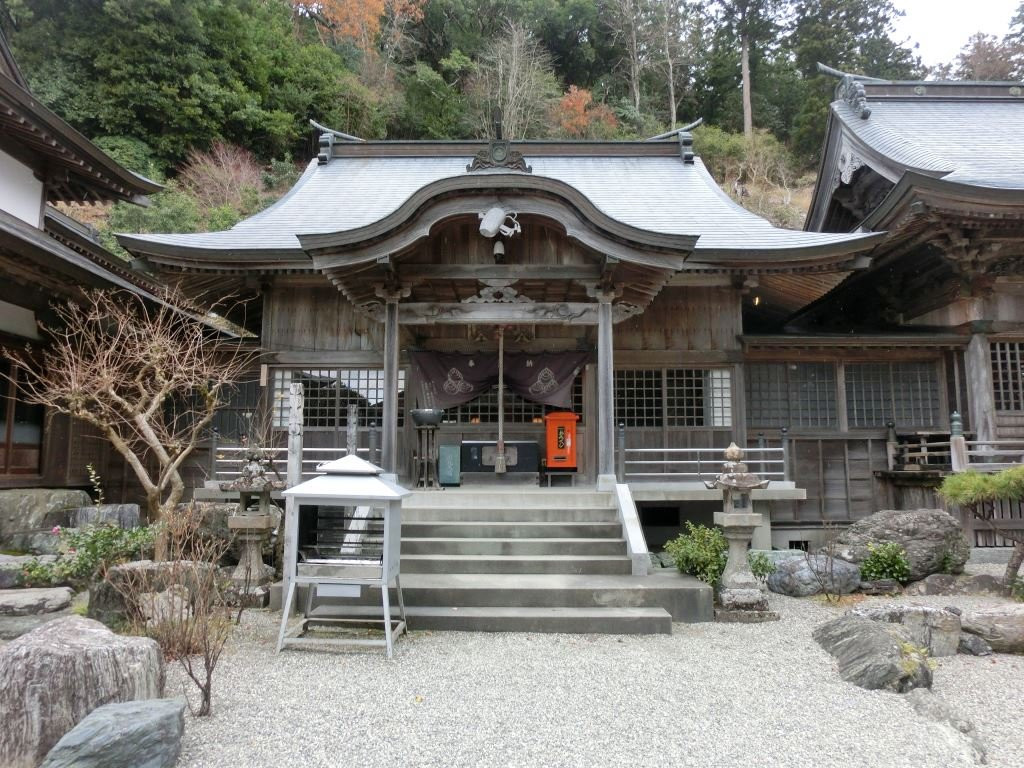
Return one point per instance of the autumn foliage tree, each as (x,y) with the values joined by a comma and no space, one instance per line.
(148,375)
(577,116)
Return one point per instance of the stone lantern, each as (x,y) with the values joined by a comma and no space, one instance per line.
(739,589)
(252,520)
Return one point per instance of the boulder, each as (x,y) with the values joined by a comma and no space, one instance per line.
(131,734)
(936,629)
(947,584)
(57,674)
(107,601)
(120,515)
(933,540)
(30,510)
(972,645)
(29,602)
(927,704)
(13,627)
(44,542)
(163,607)
(803,576)
(875,655)
(1002,627)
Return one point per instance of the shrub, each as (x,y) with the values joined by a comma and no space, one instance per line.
(700,552)
(1017,590)
(885,561)
(89,552)
(761,565)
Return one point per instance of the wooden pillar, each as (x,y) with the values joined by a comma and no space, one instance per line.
(980,398)
(389,438)
(291,509)
(605,389)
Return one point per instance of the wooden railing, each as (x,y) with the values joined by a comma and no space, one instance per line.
(695,464)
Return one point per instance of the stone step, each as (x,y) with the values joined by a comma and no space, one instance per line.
(596,620)
(509,514)
(30,602)
(684,597)
(488,529)
(497,498)
(482,564)
(513,546)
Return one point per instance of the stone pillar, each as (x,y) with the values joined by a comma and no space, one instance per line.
(981,404)
(389,438)
(605,390)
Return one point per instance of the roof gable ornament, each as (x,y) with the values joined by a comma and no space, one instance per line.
(499,153)
(851,90)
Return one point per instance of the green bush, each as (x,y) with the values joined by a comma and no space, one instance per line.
(885,561)
(89,552)
(761,565)
(1017,589)
(700,552)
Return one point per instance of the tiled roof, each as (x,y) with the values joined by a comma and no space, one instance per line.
(657,194)
(970,141)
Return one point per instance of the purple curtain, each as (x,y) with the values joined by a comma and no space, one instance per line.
(453,379)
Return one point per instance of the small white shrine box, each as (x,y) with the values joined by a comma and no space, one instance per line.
(343,533)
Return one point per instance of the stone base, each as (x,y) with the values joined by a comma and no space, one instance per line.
(743,600)
(745,617)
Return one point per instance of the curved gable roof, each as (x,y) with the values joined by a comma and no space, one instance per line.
(655,192)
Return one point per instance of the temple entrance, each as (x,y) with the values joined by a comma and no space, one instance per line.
(485,414)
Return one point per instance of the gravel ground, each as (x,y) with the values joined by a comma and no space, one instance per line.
(709,694)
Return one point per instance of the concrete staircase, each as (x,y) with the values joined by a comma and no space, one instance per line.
(527,560)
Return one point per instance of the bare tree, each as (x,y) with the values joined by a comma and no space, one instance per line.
(515,76)
(149,377)
(182,606)
(632,27)
(676,26)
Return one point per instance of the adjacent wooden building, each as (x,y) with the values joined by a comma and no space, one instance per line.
(45,257)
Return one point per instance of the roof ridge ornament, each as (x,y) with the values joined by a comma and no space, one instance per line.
(851,89)
(499,152)
(852,92)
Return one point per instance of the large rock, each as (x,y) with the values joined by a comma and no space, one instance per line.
(107,601)
(875,655)
(120,515)
(933,540)
(947,584)
(803,576)
(29,602)
(55,675)
(927,704)
(132,734)
(34,510)
(936,629)
(972,645)
(1002,627)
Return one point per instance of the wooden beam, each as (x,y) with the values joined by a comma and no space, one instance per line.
(525,313)
(497,272)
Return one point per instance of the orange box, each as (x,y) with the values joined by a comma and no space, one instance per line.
(560,428)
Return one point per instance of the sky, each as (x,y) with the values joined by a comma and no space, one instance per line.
(942,27)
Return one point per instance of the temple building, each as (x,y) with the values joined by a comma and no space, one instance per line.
(629,289)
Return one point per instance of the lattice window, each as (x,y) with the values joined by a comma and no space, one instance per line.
(907,393)
(639,398)
(674,397)
(801,395)
(1008,375)
(518,410)
(327,393)
(240,413)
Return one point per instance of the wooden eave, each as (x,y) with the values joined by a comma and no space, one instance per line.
(203,259)
(72,168)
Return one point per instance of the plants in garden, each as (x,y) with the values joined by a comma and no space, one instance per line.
(700,552)
(89,552)
(886,561)
(761,566)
